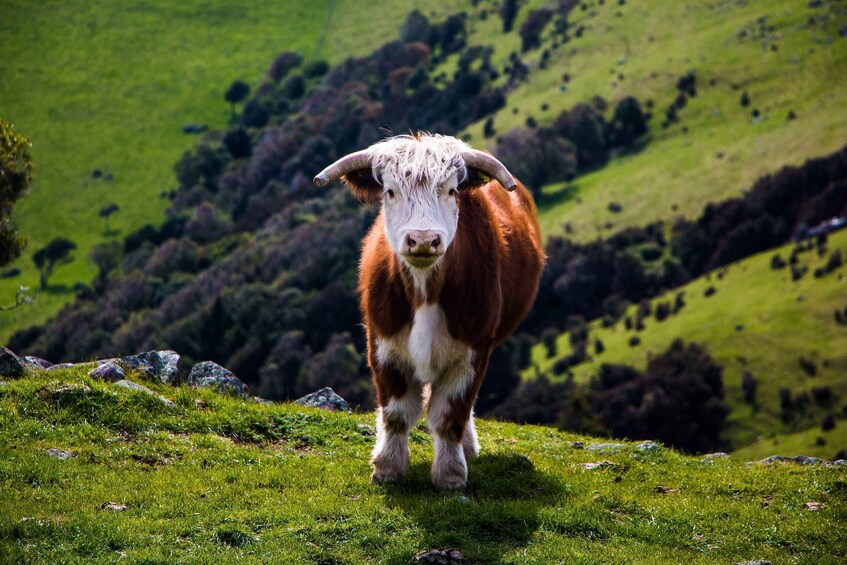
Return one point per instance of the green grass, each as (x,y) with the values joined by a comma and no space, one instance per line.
(653,43)
(109,85)
(218,478)
(759,321)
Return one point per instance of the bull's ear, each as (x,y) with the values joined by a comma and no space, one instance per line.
(364,186)
(475,179)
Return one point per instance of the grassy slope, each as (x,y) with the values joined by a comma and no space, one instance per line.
(215,478)
(780,321)
(106,85)
(807,74)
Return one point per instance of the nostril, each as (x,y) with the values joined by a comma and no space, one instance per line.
(410,242)
(436,242)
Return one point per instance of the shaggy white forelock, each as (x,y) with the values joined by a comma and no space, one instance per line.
(425,161)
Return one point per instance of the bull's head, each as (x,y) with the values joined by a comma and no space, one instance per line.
(418,180)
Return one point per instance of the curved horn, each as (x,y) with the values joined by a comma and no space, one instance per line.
(351,162)
(487,163)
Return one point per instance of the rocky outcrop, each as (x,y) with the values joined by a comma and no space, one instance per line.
(11,366)
(325,399)
(208,374)
(157,365)
(108,372)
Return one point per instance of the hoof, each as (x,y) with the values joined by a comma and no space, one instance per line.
(385,477)
(449,483)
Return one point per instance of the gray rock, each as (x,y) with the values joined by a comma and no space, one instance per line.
(439,557)
(11,365)
(208,374)
(756,562)
(611,447)
(108,372)
(60,454)
(325,399)
(799,459)
(61,366)
(840,463)
(194,128)
(648,446)
(578,445)
(135,386)
(716,455)
(37,362)
(159,365)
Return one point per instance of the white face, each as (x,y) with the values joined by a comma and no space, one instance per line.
(420,217)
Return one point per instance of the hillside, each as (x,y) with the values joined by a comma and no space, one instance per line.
(758,321)
(656,118)
(108,87)
(93,472)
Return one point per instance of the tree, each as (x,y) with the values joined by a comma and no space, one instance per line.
(106,256)
(237,92)
(629,122)
(508,11)
(57,252)
(15,177)
(532,28)
(106,212)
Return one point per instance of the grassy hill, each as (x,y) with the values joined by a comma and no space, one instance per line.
(218,478)
(108,86)
(786,57)
(760,321)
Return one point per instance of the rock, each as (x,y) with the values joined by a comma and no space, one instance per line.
(325,399)
(813,506)
(135,386)
(599,465)
(716,455)
(260,400)
(60,454)
(37,362)
(578,445)
(11,365)
(365,430)
(439,557)
(799,459)
(665,490)
(648,446)
(113,506)
(208,374)
(61,366)
(756,562)
(108,372)
(159,365)
(611,447)
(840,463)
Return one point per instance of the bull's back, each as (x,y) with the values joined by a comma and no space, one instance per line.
(522,256)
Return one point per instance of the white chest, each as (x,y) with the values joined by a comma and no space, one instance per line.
(427,349)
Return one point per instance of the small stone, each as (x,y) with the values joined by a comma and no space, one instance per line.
(11,365)
(463,499)
(799,459)
(60,454)
(665,490)
(439,557)
(157,365)
(648,446)
(61,366)
(716,455)
(135,386)
(599,465)
(610,447)
(208,374)
(365,430)
(325,399)
(813,506)
(756,562)
(113,506)
(840,463)
(37,362)
(107,372)
(259,400)
(578,445)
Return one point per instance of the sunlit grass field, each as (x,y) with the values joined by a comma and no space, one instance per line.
(216,478)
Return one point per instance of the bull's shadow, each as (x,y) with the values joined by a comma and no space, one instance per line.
(497,513)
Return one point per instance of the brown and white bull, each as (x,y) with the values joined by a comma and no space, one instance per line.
(448,270)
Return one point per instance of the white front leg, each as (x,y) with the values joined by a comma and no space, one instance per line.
(390,457)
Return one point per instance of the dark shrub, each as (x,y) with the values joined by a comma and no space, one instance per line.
(709,291)
(532,28)
(294,87)
(237,92)
(548,338)
(809,366)
(749,384)
(316,69)
(283,64)
(629,122)
(828,423)
(634,341)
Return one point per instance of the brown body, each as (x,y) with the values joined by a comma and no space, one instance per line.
(485,284)
(448,271)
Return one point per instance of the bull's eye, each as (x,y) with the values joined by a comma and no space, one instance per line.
(390,193)
(453,192)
